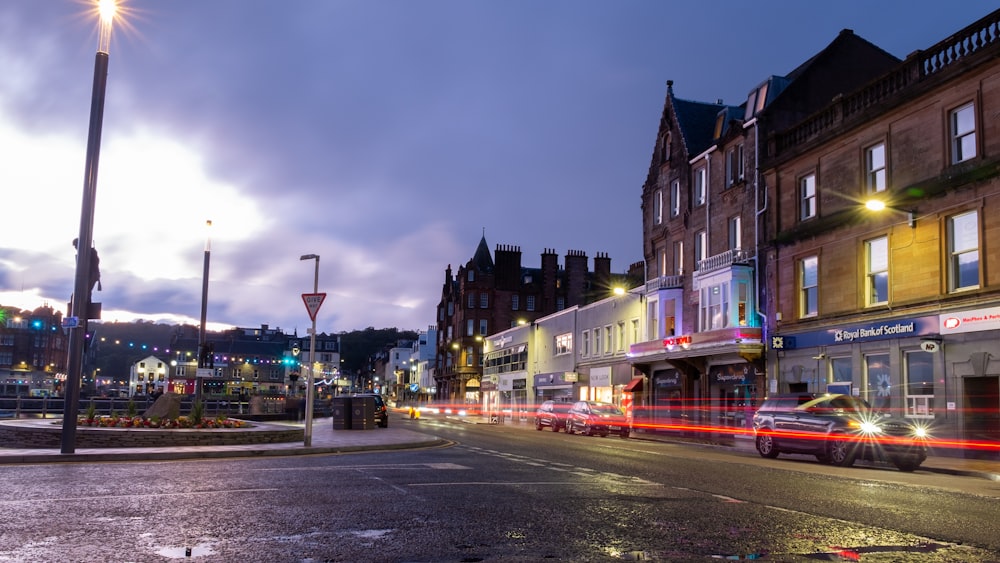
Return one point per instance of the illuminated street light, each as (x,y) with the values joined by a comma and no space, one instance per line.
(879,205)
(83,282)
(307,433)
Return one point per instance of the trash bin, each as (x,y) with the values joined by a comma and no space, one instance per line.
(340,410)
(362,413)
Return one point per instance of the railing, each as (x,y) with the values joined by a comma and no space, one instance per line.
(962,44)
(916,68)
(665,282)
(52,407)
(720,261)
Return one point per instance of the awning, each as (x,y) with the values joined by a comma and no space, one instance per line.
(634,386)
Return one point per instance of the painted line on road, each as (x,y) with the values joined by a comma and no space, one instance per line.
(363,467)
(140,495)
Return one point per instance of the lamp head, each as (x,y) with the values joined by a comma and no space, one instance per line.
(309,257)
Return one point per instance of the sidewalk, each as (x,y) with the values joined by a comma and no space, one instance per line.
(326,440)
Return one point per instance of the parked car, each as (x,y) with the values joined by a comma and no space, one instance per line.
(837,429)
(381,409)
(590,417)
(552,414)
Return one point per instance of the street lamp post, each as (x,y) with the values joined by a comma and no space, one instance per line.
(83,283)
(203,353)
(307,433)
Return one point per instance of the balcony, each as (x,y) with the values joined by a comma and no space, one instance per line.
(721,261)
(664,282)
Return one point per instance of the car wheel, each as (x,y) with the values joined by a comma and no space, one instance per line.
(841,451)
(538,424)
(906,464)
(384,423)
(589,431)
(765,446)
(555,426)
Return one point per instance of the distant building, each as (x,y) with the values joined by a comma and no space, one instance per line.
(33,352)
(486,296)
(254,361)
(148,376)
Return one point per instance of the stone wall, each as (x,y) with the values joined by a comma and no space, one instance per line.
(48,434)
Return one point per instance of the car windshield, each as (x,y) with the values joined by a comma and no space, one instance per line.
(836,403)
(604,409)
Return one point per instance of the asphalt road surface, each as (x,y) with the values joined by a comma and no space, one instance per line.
(499,493)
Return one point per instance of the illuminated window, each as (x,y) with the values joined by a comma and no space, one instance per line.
(809,287)
(735,233)
(877,271)
(563,344)
(700,186)
(658,207)
(963,251)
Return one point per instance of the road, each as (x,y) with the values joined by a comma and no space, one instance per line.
(499,493)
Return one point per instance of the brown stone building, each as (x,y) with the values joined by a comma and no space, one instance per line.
(899,306)
(754,235)
(490,294)
(33,352)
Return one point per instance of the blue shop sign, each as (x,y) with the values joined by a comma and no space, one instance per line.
(883,330)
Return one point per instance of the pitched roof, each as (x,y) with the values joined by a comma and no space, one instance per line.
(695,121)
(483,260)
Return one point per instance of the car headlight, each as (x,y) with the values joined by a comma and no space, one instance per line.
(866,427)
(920,432)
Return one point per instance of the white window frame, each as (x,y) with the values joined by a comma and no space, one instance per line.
(563,344)
(609,347)
(658,207)
(963,242)
(962,128)
(675,198)
(735,224)
(734,165)
(700,185)
(807,197)
(809,287)
(876,168)
(918,405)
(700,247)
(876,268)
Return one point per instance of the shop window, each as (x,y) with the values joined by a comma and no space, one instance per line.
(919,374)
(881,387)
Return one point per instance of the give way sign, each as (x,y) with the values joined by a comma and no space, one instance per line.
(313,302)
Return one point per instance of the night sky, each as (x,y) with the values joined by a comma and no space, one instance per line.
(385,136)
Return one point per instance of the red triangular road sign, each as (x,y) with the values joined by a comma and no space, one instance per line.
(313,302)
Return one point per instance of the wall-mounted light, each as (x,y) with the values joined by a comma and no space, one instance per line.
(879,205)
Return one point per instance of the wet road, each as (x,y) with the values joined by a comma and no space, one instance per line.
(498,494)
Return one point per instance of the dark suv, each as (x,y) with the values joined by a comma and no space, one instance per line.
(837,429)
(551,414)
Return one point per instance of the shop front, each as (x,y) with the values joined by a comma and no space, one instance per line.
(969,341)
(902,367)
(733,392)
(556,386)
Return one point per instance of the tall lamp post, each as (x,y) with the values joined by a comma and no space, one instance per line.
(307,434)
(204,360)
(84,283)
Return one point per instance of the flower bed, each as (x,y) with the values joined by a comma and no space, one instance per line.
(155,422)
